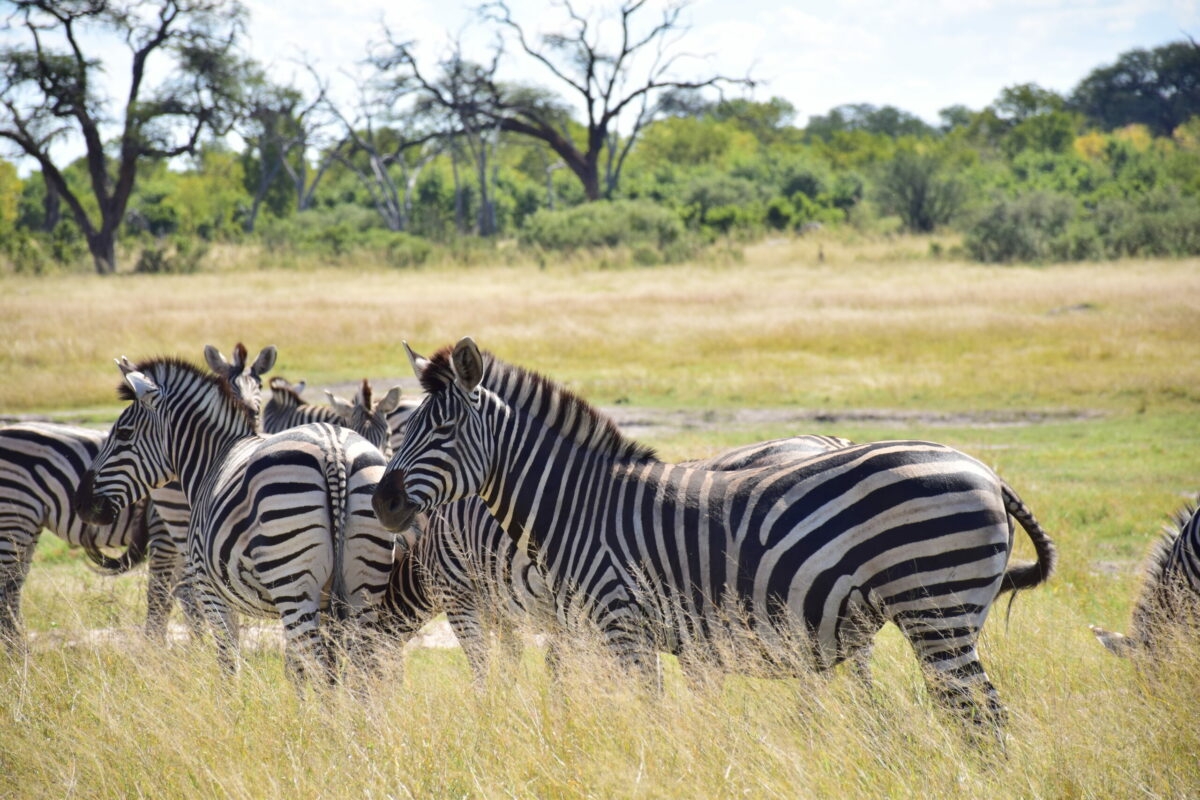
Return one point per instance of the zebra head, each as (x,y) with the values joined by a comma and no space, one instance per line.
(369,421)
(132,460)
(246,382)
(445,455)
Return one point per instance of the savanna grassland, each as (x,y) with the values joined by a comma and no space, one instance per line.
(1079,384)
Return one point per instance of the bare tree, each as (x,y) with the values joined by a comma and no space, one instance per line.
(386,151)
(287,128)
(614,81)
(49,90)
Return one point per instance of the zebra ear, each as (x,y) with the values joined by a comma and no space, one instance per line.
(468,364)
(123,365)
(299,386)
(216,362)
(264,362)
(344,408)
(418,363)
(389,402)
(239,358)
(144,389)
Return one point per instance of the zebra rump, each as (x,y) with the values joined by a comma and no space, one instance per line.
(1168,603)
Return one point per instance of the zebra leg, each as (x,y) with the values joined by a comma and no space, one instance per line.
(467,626)
(15,559)
(163,563)
(220,618)
(307,649)
(511,646)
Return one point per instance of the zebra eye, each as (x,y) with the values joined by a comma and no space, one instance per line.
(123,434)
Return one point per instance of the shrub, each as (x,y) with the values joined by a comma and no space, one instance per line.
(1032,227)
(604,223)
(177,256)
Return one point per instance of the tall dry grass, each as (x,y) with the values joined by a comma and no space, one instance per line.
(124,718)
(870,325)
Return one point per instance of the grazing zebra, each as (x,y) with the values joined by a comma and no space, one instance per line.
(465,565)
(280,525)
(41,464)
(1169,601)
(658,555)
(286,410)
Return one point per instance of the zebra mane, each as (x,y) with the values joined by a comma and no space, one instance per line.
(1160,555)
(283,391)
(163,370)
(520,386)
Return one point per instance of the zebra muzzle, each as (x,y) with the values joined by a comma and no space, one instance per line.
(92,509)
(392,506)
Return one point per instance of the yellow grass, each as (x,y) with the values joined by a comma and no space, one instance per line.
(778,329)
(874,325)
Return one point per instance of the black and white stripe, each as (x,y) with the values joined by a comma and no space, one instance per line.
(287,409)
(1169,602)
(466,566)
(41,465)
(826,550)
(281,525)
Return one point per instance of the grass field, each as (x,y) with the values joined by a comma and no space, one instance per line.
(1099,366)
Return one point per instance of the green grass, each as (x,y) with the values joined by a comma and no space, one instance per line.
(866,330)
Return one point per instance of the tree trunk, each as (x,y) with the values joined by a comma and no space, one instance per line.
(52,206)
(103,247)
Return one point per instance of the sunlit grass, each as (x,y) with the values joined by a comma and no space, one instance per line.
(776,329)
(873,325)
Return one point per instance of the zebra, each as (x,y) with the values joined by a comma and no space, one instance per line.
(1169,600)
(41,463)
(286,409)
(657,555)
(168,540)
(465,565)
(280,524)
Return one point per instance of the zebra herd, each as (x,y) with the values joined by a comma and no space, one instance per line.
(509,498)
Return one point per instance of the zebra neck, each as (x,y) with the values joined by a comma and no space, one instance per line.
(544,481)
(199,441)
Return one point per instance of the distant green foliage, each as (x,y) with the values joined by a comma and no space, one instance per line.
(619,223)
(1036,175)
(1040,226)
(918,186)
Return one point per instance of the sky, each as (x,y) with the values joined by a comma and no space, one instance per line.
(919,55)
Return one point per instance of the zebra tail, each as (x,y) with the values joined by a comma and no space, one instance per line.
(134,554)
(336,482)
(1026,575)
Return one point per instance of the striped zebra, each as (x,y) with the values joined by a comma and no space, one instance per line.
(660,556)
(286,409)
(168,540)
(1169,601)
(466,566)
(281,525)
(41,464)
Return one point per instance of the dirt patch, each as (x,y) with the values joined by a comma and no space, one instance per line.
(655,422)
(650,423)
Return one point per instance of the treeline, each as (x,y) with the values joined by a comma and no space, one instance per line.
(445,159)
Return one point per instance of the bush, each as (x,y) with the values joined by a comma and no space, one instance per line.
(1040,227)
(179,255)
(618,223)
(1032,227)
